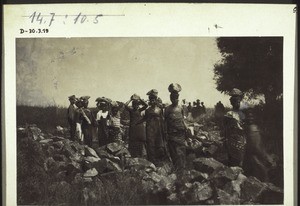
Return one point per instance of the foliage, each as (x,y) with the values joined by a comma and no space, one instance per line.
(47,118)
(252,64)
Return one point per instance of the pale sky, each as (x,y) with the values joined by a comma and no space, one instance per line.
(51,69)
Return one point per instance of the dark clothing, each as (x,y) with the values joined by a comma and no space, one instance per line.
(235,137)
(103,136)
(176,135)
(154,135)
(87,128)
(72,122)
(103,131)
(137,134)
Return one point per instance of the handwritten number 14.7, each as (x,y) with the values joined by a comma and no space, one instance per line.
(39,18)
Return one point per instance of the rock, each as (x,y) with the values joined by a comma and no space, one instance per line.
(114,147)
(173,199)
(90,152)
(215,135)
(196,176)
(77,157)
(199,193)
(207,165)
(57,138)
(164,170)
(58,146)
(272,195)
(91,173)
(92,159)
(46,141)
(211,150)
(123,152)
(234,187)
(194,144)
(153,176)
(221,175)
(34,132)
(106,165)
(227,199)
(253,190)
(139,164)
(103,154)
(166,184)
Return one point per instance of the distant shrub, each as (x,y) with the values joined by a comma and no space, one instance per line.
(47,118)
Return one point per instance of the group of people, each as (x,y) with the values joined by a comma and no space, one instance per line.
(158,132)
(198,108)
(243,140)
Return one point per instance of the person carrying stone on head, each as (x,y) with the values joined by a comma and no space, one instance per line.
(87,119)
(78,133)
(234,131)
(219,113)
(189,107)
(115,127)
(102,119)
(156,148)
(203,108)
(71,116)
(176,128)
(137,132)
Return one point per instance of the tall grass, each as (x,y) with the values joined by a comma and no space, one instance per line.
(46,118)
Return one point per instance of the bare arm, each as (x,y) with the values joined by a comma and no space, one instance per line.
(145,105)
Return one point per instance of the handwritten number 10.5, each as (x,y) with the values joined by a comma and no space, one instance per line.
(39,18)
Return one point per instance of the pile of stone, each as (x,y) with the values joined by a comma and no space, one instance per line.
(208,181)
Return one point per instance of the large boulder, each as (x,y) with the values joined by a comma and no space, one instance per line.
(227,199)
(199,193)
(207,165)
(90,152)
(211,150)
(105,165)
(223,175)
(253,190)
(196,176)
(102,153)
(166,184)
(234,186)
(57,138)
(114,147)
(91,173)
(139,164)
(35,133)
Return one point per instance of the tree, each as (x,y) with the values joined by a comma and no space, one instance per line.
(252,64)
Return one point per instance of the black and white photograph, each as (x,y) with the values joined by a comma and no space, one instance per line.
(150,120)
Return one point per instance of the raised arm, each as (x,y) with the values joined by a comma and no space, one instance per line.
(145,105)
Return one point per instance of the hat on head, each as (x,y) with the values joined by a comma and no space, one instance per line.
(72,97)
(103,99)
(174,87)
(236,93)
(152,92)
